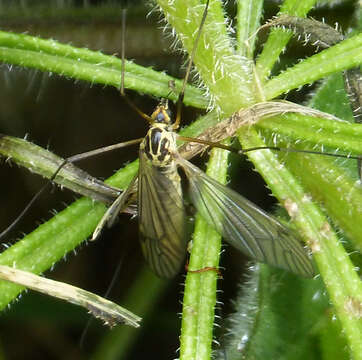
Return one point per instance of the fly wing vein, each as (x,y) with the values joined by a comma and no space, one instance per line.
(162,221)
(244,225)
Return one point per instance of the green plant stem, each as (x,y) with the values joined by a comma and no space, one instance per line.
(249,15)
(345,55)
(343,136)
(278,38)
(92,66)
(45,163)
(341,197)
(215,55)
(39,250)
(200,288)
(336,269)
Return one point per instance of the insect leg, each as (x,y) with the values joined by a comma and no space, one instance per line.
(69,160)
(117,206)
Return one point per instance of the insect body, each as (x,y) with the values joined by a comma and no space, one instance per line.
(161,211)
(162,218)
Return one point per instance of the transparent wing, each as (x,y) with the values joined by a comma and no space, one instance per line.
(113,211)
(244,225)
(162,220)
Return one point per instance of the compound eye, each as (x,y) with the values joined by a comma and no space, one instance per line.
(163,117)
(160,117)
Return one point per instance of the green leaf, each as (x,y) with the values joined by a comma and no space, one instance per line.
(276,316)
(215,56)
(200,287)
(345,55)
(92,66)
(249,16)
(278,38)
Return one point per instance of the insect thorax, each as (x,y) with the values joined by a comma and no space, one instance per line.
(159,146)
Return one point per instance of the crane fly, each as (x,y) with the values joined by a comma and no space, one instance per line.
(162,216)
(161,210)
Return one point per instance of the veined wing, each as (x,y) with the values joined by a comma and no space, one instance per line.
(162,220)
(244,225)
(113,211)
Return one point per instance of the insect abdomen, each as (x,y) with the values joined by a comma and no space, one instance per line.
(161,210)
